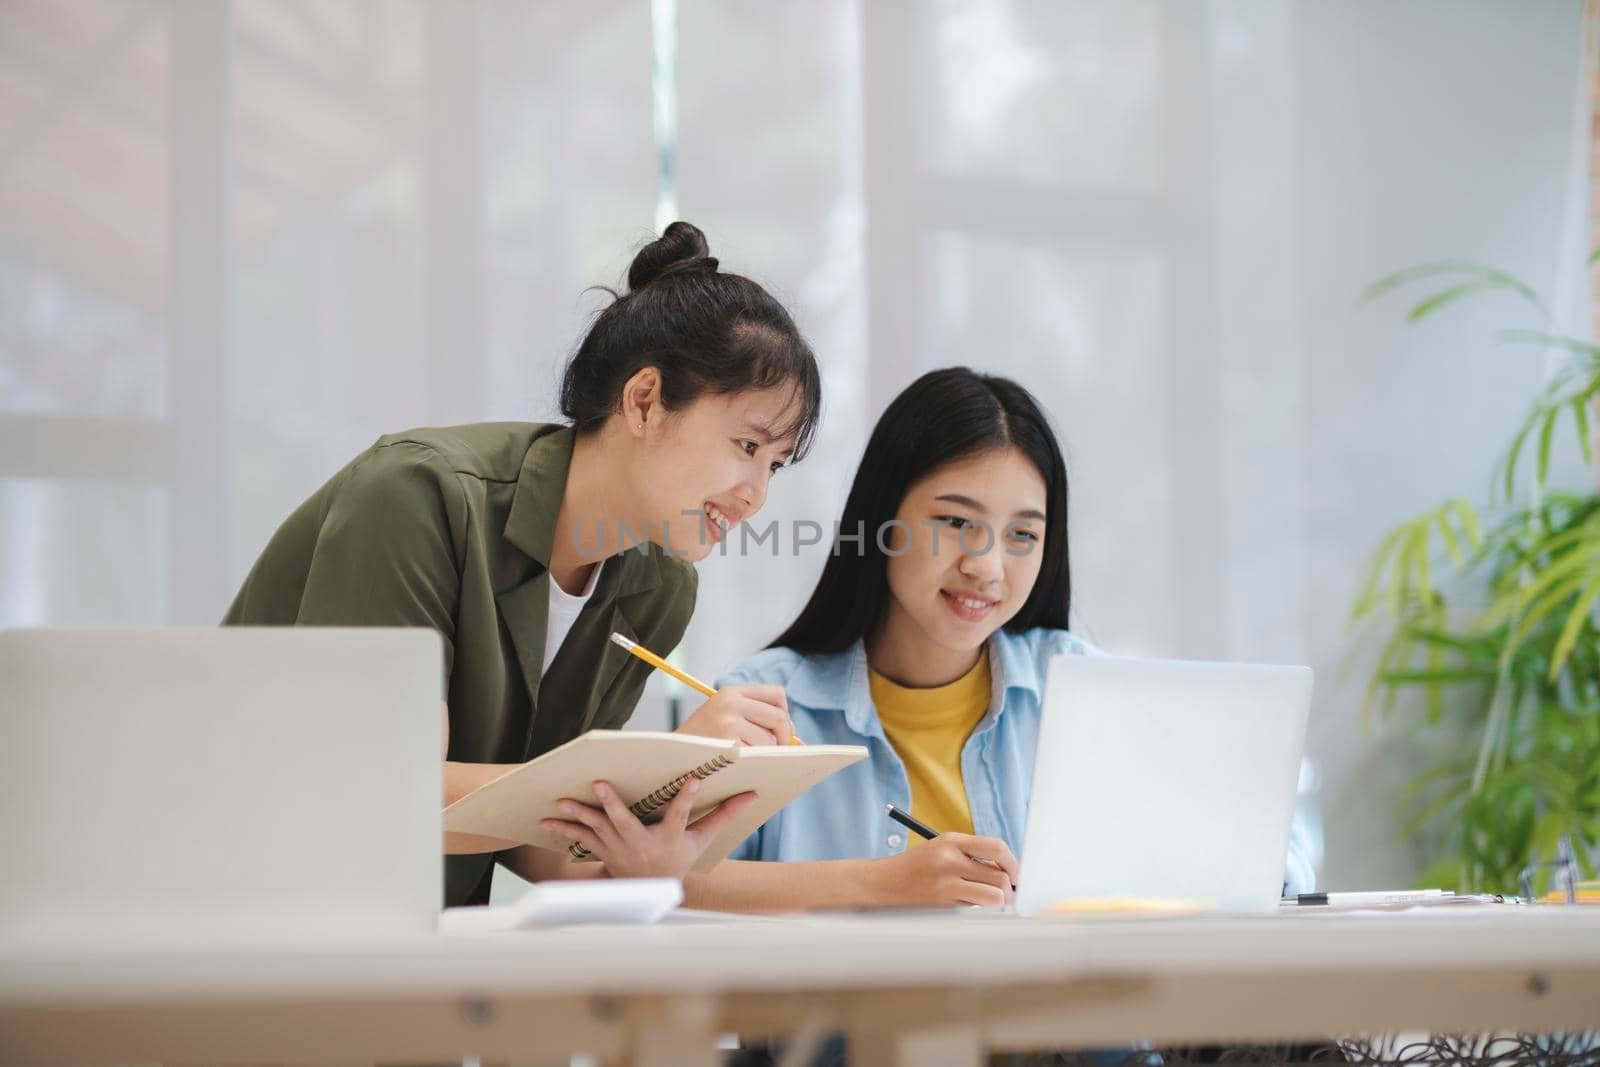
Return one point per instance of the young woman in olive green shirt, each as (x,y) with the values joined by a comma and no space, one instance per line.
(525,546)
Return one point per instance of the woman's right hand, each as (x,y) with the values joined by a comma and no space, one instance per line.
(749,714)
(949,870)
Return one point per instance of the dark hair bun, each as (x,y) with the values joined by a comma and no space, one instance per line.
(680,248)
(705,331)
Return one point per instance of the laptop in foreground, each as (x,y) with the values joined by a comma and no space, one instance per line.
(182,784)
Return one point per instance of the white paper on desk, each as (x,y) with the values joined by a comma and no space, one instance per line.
(589,900)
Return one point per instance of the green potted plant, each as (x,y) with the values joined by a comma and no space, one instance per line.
(1492,615)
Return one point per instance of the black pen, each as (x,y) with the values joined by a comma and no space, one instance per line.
(921,829)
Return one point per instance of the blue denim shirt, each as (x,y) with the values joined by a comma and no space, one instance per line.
(842,817)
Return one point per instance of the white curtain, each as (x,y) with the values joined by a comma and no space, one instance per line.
(240,241)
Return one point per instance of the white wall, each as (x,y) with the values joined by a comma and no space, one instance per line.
(1159,216)
(1426,131)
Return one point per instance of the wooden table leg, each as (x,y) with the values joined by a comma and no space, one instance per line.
(681,1033)
(943,1047)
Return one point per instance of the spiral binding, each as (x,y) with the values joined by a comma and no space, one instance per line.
(647,806)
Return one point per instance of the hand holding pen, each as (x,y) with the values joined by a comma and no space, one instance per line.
(952,868)
(748,714)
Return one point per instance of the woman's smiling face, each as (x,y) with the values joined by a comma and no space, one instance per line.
(709,465)
(965,554)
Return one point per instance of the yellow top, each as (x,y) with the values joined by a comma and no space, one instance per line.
(928,728)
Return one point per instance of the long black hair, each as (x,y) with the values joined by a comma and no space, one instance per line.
(943,416)
(705,330)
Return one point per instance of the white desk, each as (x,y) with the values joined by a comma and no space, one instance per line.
(928,990)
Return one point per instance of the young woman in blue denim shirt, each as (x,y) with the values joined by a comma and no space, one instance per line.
(929,641)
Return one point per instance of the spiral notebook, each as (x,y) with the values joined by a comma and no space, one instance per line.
(647,770)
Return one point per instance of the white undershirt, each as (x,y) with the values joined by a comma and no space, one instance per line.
(564,611)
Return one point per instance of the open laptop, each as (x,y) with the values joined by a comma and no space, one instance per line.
(1164,779)
(189,784)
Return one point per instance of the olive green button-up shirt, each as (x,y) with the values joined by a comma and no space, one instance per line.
(452,529)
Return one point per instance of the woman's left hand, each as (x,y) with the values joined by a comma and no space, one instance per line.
(631,849)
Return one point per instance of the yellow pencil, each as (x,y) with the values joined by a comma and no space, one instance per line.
(662,665)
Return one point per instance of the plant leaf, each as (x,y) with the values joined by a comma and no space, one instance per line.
(1575,623)
(1546,434)
(1452,544)
(1367,598)
(1469,522)
(1550,340)
(1545,835)
(1389,658)
(1445,297)
(1514,600)
(1558,591)
(1557,543)
(1424,270)
(1511,459)
(1419,557)
(1485,277)
(1439,676)
(1470,645)
(1580,415)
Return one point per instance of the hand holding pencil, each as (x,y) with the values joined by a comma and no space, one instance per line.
(748,714)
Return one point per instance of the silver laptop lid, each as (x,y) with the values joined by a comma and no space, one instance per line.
(1164,779)
(261,783)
